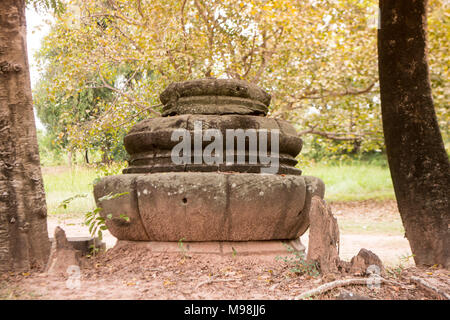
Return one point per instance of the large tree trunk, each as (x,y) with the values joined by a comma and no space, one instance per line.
(24,239)
(417,158)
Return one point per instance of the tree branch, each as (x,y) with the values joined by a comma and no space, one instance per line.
(121,16)
(214,280)
(349,136)
(139,9)
(249,54)
(131,99)
(136,115)
(210,29)
(340,283)
(315,94)
(427,286)
(266,54)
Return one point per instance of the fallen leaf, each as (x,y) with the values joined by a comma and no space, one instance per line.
(168,282)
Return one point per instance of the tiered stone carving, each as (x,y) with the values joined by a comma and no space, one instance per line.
(229,201)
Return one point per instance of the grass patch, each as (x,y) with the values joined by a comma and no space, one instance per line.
(352,182)
(63,184)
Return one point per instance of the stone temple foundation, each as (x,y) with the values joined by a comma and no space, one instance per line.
(221,207)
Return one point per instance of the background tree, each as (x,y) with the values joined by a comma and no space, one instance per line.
(257,41)
(23,225)
(60,112)
(417,158)
(317,59)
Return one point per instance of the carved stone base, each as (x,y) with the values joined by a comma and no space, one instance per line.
(223,248)
(198,206)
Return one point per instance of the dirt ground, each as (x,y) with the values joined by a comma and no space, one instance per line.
(389,246)
(134,273)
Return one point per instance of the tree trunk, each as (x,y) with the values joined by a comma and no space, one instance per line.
(24,239)
(417,158)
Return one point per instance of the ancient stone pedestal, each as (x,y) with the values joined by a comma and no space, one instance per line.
(199,202)
(221,248)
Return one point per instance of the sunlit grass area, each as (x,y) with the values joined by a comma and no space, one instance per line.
(63,183)
(351,182)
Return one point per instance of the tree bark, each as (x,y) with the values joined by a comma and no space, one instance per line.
(24,239)
(417,158)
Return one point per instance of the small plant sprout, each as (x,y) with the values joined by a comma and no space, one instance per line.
(396,271)
(181,245)
(298,262)
(94,251)
(65,203)
(182,248)
(124,217)
(95,222)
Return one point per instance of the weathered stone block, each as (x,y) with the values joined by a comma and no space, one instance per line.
(204,206)
(202,201)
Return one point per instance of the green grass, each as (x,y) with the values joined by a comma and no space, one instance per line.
(60,186)
(351,182)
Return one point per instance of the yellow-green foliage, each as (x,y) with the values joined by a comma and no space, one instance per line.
(318,59)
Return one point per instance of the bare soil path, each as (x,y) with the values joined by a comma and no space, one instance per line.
(139,274)
(374,225)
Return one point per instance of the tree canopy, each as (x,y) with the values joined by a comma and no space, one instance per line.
(104,64)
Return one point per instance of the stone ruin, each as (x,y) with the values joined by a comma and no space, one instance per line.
(199,202)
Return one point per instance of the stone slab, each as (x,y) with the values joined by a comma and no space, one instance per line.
(214,96)
(206,206)
(84,244)
(203,206)
(223,248)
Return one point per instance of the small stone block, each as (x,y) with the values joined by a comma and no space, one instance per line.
(244,248)
(85,244)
